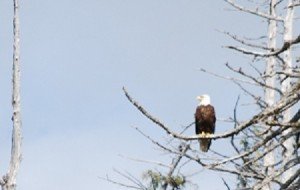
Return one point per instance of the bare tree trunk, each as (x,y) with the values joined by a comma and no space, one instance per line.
(289,144)
(9,180)
(269,159)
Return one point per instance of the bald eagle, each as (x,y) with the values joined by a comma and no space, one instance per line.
(205,120)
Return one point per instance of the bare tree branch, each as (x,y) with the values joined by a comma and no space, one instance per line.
(146,161)
(185,148)
(254,12)
(290,180)
(225,183)
(241,72)
(296,4)
(175,164)
(235,172)
(155,142)
(235,125)
(258,99)
(121,184)
(296,117)
(244,42)
(285,47)
(228,78)
(253,149)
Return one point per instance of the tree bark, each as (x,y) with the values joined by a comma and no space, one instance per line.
(269,159)
(290,144)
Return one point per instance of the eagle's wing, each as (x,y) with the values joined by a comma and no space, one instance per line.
(198,120)
(205,122)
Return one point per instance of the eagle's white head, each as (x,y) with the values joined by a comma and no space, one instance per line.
(204,100)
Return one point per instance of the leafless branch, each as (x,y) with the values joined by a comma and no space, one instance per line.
(121,184)
(147,161)
(253,149)
(296,4)
(256,69)
(225,183)
(226,157)
(258,99)
(175,163)
(254,12)
(273,177)
(288,74)
(241,72)
(155,142)
(185,148)
(235,125)
(228,78)
(242,41)
(235,172)
(296,117)
(186,127)
(291,180)
(284,47)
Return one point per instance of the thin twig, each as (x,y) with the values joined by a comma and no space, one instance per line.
(119,183)
(227,186)
(228,78)
(146,161)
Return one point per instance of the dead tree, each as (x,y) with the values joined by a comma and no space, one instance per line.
(267,158)
(8,181)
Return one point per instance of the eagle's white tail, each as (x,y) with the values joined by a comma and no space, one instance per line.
(204,144)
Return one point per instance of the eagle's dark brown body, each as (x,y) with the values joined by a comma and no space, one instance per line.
(205,120)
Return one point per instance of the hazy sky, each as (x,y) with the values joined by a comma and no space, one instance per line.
(77,55)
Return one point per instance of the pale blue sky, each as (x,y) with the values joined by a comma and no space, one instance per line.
(76,56)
